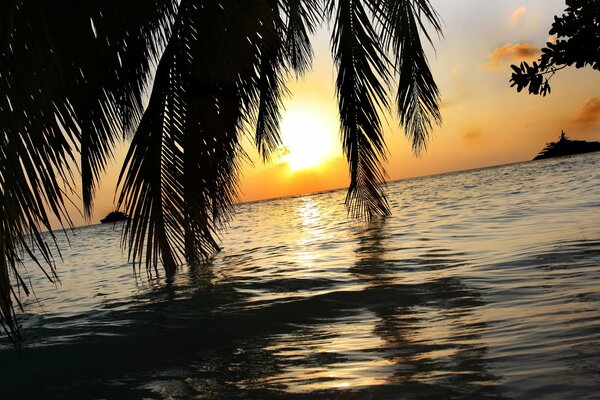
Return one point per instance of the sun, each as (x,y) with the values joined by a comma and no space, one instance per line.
(309,138)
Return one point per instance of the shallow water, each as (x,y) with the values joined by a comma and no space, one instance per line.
(483,284)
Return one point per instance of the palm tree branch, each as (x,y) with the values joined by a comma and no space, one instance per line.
(362,72)
(303,16)
(418,96)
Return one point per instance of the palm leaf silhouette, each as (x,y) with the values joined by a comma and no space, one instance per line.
(418,96)
(73,87)
(362,72)
(68,86)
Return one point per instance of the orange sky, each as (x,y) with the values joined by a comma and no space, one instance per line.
(485,121)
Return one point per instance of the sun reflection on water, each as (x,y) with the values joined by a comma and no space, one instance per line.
(437,301)
(311,231)
(340,354)
(309,213)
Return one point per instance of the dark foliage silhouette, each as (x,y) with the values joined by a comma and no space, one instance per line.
(73,76)
(578,43)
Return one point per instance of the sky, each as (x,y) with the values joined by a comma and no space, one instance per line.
(485,121)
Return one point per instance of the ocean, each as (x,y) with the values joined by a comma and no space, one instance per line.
(482,284)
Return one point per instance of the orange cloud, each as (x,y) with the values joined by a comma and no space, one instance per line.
(458,70)
(446,103)
(512,53)
(517,16)
(589,113)
(473,135)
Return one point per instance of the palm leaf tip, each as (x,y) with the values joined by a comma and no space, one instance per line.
(363,69)
(303,16)
(271,82)
(208,86)
(418,97)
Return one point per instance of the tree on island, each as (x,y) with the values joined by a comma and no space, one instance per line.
(577,34)
(73,76)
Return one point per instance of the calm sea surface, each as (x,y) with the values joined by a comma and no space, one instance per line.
(483,284)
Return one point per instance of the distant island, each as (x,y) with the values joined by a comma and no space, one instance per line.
(567,147)
(114,216)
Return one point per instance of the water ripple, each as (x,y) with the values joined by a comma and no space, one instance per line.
(483,284)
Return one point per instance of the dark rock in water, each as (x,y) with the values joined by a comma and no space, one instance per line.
(567,147)
(114,216)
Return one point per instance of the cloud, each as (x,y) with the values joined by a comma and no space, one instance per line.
(460,87)
(458,70)
(510,53)
(473,135)
(446,103)
(589,113)
(517,16)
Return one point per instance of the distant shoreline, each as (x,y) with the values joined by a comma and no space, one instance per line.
(387,182)
(458,171)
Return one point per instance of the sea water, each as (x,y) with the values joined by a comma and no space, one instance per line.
(482,284)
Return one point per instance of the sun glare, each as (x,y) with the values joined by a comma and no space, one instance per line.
(309,138)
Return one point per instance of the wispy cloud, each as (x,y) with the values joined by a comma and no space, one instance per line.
(510,53)
(589,113)
(458,70)
(460,88)
(473,135)
(517,16)
(446,103)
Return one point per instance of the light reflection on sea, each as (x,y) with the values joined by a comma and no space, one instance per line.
(483,284)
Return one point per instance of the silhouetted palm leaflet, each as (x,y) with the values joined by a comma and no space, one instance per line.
(73,77)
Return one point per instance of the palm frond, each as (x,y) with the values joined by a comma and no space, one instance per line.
(60,81)
(108,98)
(303,16)
(142,193)
(362,71)
(73,88)
(209,84)
(271,84)
(418,96)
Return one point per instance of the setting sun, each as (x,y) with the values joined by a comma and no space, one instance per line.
(302,199)
(309,138)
